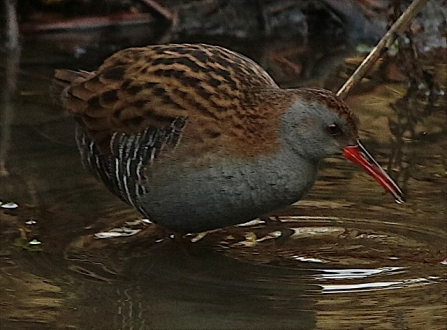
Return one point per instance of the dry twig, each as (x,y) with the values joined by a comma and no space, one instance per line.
(384,44)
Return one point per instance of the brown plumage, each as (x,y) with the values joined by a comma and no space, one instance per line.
(228,99)
(195,125)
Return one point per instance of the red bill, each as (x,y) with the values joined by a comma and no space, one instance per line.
(360,156)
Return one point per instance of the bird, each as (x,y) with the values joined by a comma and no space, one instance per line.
(198,137)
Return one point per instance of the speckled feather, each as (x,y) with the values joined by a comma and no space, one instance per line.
(228,99)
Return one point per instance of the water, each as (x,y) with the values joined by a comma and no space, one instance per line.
(346,257)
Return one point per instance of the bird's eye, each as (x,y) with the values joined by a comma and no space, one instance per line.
(334,129)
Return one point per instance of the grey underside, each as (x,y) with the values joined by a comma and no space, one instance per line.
(220,194)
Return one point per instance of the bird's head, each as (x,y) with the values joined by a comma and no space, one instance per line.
(318,125)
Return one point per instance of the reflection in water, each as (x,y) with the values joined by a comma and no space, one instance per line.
(421,100)
(176,286)
(347,257)
(340,274)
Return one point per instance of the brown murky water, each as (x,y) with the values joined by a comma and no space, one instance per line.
(346,257)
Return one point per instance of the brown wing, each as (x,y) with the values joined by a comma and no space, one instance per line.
(139,88)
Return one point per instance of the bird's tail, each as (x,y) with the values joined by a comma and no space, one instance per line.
(62,80)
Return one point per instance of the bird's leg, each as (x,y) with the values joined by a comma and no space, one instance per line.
(270,220)
(274,220)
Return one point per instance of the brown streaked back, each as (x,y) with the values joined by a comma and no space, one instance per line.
(145,87)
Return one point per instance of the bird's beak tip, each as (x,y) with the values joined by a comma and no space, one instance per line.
(360,156)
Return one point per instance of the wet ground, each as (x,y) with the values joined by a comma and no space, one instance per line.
(345,257)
